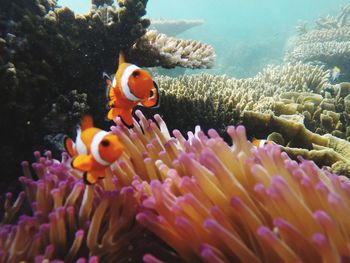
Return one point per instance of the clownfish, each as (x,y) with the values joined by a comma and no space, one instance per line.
(93,150)
(261,143)
(130,86)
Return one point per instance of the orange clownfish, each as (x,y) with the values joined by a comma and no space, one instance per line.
(129,87)
(93,150)
(261,143)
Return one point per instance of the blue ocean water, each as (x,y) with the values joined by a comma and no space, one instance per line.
(246,34)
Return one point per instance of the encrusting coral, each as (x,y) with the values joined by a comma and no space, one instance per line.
(328,43)
(206,200)
(324,150)
(46,51)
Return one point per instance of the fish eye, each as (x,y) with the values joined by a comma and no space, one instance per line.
(151,93)
(136,73)
(105,143)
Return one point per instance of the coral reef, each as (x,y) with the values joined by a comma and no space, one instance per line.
(328,43)
(180,200)
(300,94)
(174,27)
(157,49)
(46,51)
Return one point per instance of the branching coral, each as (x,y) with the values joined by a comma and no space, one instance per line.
(157,49)
(207,200)
(328,43)
(216,101)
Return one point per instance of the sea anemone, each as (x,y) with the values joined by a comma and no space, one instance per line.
(61,218)
(221,203)
(173,199)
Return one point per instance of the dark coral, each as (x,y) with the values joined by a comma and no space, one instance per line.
(45,53)
(102,2)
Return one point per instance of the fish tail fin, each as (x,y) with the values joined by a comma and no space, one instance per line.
(121,57)
(255,142)
(68,145)
(86,122)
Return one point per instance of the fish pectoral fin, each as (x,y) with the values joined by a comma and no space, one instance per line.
(82,162)
(113,113)
(110,93)
(89,178)
(68,145)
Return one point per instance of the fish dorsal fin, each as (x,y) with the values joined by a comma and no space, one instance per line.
(121,57)
(86,122)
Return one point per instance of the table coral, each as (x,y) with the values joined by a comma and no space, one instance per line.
(174,27)
(172,199)
(158,49)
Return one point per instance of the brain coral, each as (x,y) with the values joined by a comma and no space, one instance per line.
(172,199)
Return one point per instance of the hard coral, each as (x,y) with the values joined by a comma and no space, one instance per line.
(217,101)
(325,150)
(208,200)
(155,49)
(328,43)
(174,27)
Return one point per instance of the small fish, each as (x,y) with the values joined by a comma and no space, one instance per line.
(261,143)
(93,150)
(130,86)
(335,73)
